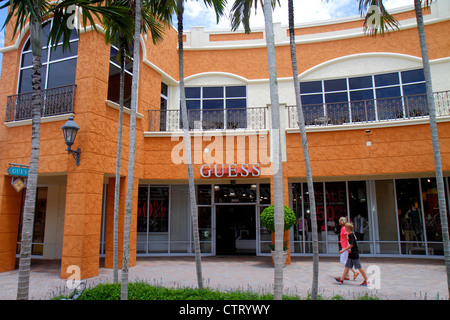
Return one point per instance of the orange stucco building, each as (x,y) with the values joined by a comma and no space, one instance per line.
(367,126)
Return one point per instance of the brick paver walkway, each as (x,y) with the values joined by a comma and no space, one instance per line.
(399,278)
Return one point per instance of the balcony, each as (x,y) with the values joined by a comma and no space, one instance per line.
(55,101)
(212,119)
(370,111)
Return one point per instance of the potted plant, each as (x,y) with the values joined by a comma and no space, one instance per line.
(268,221)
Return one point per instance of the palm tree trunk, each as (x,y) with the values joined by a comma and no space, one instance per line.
(277,163)
(434,137)
(132,150)
(187,147)
(30,199)
(309,179)
(118,165)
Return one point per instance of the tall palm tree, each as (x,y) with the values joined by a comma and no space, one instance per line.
(378,23)
(218,6)
(131,150)
(434,135)
(276,157)
(20,13)
(309,178)
(240,13)
(123,37)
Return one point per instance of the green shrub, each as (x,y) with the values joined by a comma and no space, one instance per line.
(268,220)
(146,291)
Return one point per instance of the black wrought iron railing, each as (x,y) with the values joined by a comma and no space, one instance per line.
(406,107)
(55,101)
(212,119)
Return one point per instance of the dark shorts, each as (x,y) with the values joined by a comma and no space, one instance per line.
(353,263)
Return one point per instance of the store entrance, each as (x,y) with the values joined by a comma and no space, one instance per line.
(235,230)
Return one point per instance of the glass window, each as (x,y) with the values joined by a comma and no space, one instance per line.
(264,193)
(236,103)
(336,97)
(62,73)
(142,214)
(54,72)
(312,99)
(158,209)
(410,216)
(192,93)
(58,53)
(240,193)
(114,77)
(37,244)
(361,95)
(391,92)
(335,85)
(204,194)
(236,91)
(386,79)
(414,89)
(311,87)
(360,82)
(211,104)
(359,213)
(212,92)
(180,225)
(413,76)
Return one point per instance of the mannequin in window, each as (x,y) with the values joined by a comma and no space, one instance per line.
(414,213)
(431,228)
(408,231)
(359,229)
(302,226)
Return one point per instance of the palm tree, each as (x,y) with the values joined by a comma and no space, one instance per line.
(434,135)
(240,13)
(131,150)
(277,163)
(34,12)
(218,6)
(379,24)
(115,33)
(309,178)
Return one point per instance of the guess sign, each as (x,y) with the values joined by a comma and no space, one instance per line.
(230,170)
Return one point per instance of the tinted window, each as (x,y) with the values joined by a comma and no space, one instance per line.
(236,103)
(213,92)
(312,99)
(192,92)
(57,53)
(361,95)
(386,79)
(310,87)
(360,82)
(193,104)
(212,104)
(388,92)
(413,76)
(412,89)
(336,97)
(62,73)
(235,92)
(335,85)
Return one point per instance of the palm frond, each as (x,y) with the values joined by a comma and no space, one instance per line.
(241,11)
(377,19)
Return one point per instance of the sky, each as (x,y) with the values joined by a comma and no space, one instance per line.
(197,15)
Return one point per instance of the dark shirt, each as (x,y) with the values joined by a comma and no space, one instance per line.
(354,252)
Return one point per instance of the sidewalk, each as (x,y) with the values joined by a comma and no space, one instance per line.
(405,279)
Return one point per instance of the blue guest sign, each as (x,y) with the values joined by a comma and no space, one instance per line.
(18,170)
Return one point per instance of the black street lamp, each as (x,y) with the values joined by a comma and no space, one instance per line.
(70,130)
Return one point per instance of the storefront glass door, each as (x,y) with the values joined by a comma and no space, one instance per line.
(235,230)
